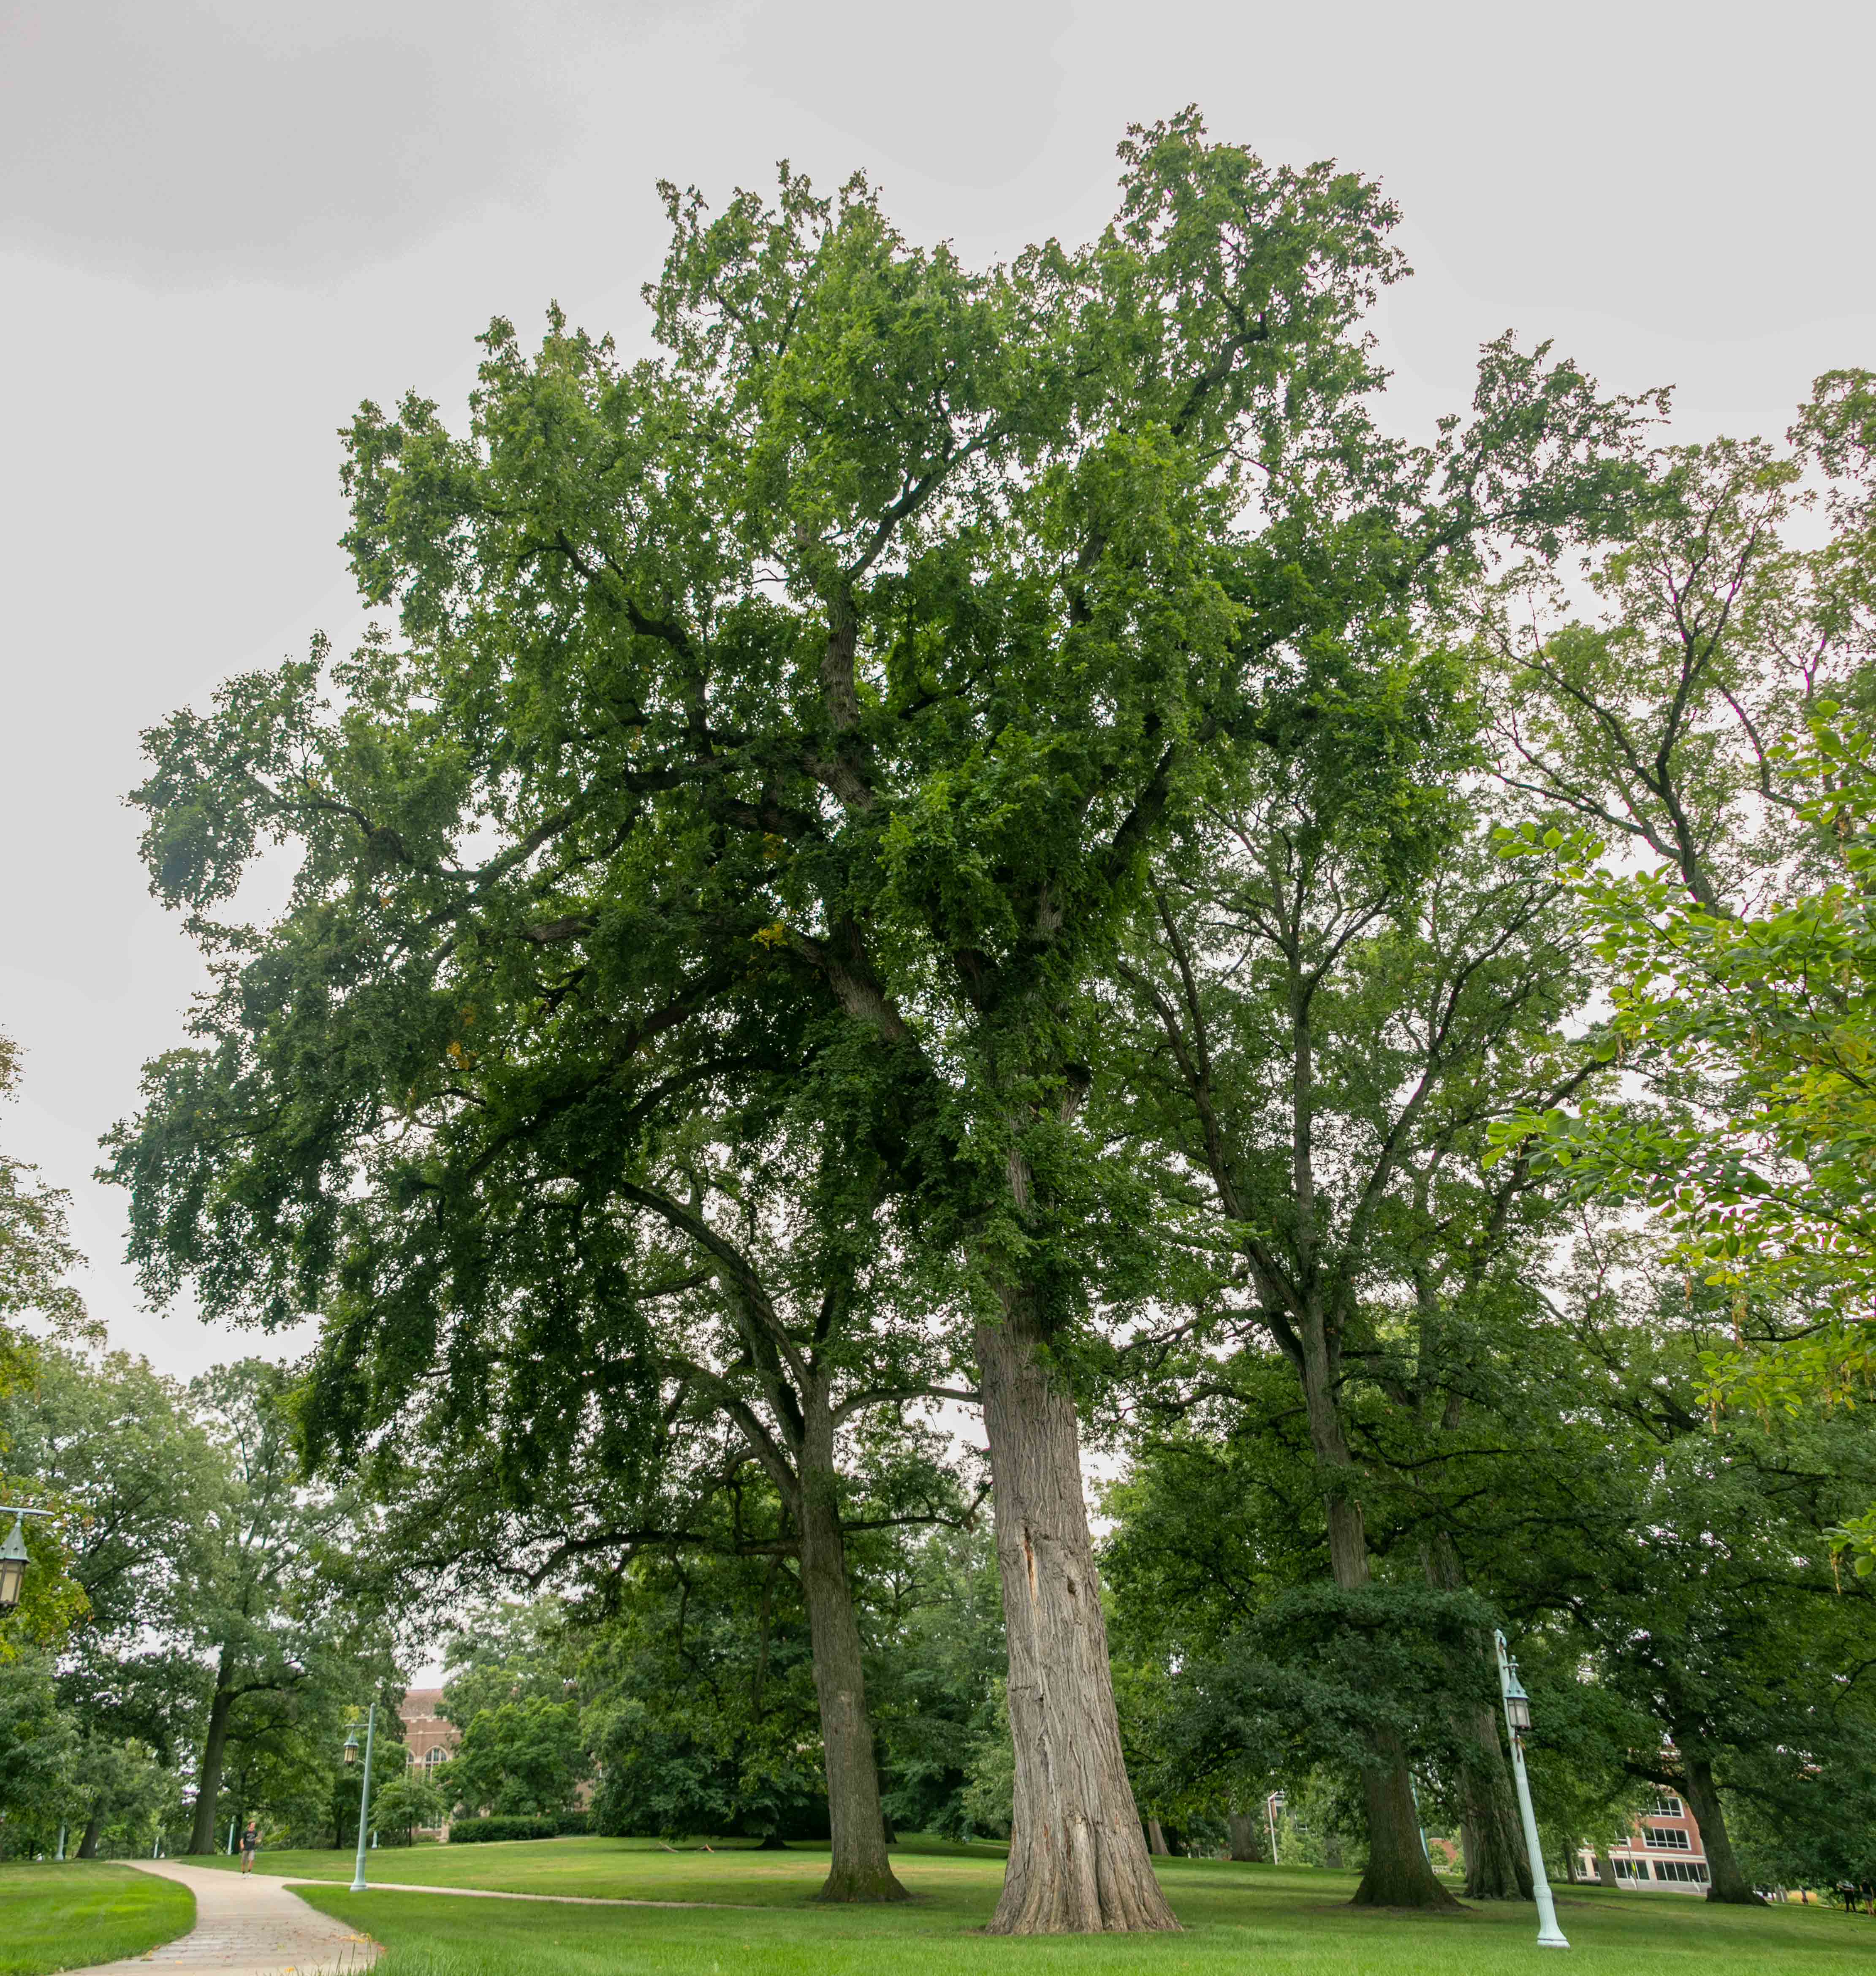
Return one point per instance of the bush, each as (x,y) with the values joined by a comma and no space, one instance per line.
(557,1825)
(482,1831)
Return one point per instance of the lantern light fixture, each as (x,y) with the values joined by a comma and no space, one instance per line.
(1517,1703)
(14,1556)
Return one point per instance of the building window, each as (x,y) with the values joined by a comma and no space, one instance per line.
(1667,1805)
(432,1758)
(1668,1838)
(1631,1869)
(1694,1871)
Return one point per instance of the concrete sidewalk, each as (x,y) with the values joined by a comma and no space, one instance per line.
(246,1924)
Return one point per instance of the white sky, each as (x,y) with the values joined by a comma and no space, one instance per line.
(222,224)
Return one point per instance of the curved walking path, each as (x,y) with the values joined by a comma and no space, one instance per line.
(557,1900)
(250,1924)
(246,1925)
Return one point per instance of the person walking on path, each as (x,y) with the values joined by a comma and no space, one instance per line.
(250,1845)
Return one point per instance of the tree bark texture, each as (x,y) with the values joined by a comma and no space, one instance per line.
(1495,1867)
(1726,1881)
(1077,1855)
(1398,1872)
(1246,1838)
(214,1745)
(860,1869)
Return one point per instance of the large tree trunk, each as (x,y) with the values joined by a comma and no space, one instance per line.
(209,1778)
(93,1831)
(860,1869)
(1246,1839)
(1726,1881)
(1399,1874)
(1078,1858)
(1497,1869)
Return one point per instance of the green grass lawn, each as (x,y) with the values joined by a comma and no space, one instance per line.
(63,1917)
(1237,1919)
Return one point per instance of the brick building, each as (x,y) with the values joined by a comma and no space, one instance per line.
(430,1739)
(1663,1851)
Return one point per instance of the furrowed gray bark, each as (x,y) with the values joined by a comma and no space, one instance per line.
(1078,1859)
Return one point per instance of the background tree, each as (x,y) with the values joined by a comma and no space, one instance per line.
(39,1747)
(1337,990)
(1710,718)
(36,1252)
(766,1303)
(275,1610)
(519,1758)
(1695,1564)
(117,1441)
(519,1650)
(36,1258)
(938,1659)
(412,1798)
(704,1713)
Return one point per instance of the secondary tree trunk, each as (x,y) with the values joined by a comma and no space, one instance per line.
(860,1869)
(1156,1838)
(93,1831)
(1495,1867)
(1246,1839)
(1078,1857)
(1726,1881)
(209,1778)
(1398,1873)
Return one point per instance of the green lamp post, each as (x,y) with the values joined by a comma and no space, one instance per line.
(1517,1720)
(364,1793)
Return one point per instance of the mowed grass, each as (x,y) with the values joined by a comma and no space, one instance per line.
(1271,1922)
(62,1917)
(734,1871)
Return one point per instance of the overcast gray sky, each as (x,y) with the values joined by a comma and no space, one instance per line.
(222,224)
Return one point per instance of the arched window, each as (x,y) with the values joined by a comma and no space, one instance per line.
(432,1758)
